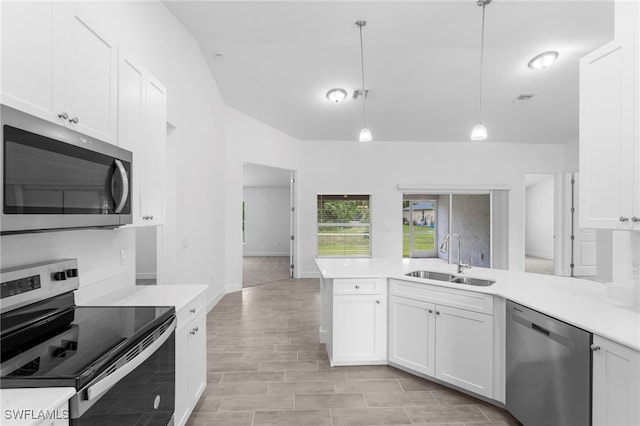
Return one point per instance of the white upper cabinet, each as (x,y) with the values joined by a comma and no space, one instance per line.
(59,66)
(609,147)
(142,124)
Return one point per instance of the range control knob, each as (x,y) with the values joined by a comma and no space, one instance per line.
(59,276)
(72,273)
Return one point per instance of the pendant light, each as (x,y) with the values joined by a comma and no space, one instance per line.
(365,133)
(479,132)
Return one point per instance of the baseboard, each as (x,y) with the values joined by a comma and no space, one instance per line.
(146,276)
(539,255)
(266,254)
(315,274)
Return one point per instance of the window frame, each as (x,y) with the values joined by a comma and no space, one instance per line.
(369,224)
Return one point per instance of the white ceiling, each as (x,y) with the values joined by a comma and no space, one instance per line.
(421,64)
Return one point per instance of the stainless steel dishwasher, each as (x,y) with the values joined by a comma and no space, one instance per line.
(548,369)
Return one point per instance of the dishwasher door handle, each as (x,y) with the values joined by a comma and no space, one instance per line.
(536,327)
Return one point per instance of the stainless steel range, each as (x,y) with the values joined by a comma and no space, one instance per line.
(120,360)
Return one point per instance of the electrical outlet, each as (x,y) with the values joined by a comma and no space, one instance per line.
(635,269)
(184,242)
(123,257)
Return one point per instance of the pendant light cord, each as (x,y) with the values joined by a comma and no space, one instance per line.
(361,24)
(481,66)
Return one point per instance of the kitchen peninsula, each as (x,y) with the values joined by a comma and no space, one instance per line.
(361,312)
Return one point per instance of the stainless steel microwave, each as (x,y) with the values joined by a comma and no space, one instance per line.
(55,178)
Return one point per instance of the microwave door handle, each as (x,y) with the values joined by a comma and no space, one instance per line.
(97,389)
(125,185)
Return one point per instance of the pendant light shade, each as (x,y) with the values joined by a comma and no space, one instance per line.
(365,133)
(479,132)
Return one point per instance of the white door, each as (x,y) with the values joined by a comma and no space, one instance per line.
(412,329)
(464,349)
(584,241)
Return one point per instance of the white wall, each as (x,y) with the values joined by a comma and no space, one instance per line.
(539,221)
(250,141)
(195,210)
(146,252)
(266,221)
(329,167)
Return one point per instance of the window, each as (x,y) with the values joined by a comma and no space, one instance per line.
(344,226)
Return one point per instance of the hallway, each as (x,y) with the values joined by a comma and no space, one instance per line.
(266,367)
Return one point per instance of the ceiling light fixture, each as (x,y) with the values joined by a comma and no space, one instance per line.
(365,133)
(337,95)
(479,132)
(543,60)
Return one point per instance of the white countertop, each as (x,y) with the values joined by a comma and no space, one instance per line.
(150,295)
(28,407)
(607,310)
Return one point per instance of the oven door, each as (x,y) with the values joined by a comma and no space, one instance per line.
(138,388)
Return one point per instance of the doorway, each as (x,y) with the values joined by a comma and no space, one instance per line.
(540,224)
(268,218)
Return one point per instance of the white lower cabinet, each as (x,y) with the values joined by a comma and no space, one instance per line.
(412,327)
(439,339)
(359,323)
(191,359)
(464,349)
(616,384)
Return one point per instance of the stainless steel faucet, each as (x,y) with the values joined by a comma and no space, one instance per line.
(445,245)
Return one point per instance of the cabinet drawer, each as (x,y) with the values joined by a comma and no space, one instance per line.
(191,311)
(358,286)
(469,300)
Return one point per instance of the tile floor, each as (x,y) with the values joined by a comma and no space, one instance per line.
(266,367)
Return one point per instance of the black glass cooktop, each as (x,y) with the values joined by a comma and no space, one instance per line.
(72,346)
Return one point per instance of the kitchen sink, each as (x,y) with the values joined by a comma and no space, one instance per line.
(473,281)
(441,276)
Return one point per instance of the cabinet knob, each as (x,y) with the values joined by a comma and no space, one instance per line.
(595,348)
(430,311)
(63,115)
(624,219)
(357,287)
(635,219)
(378,302)
(192,310)
(74,120)
(148,217)
(437,312)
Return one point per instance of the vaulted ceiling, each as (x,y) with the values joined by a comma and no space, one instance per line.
(277,59)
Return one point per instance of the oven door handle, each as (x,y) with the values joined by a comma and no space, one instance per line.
(97,389)
(125,185)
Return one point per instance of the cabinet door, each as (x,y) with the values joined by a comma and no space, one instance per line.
(32,74)
(197,359)
(464,349)
(412,330)
(90,77)
(182,379)
(359,328)
(154,153)
(606,136)
(616,388)
(131,92)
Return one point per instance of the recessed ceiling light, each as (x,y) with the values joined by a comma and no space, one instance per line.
(337,95)
(543,60)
